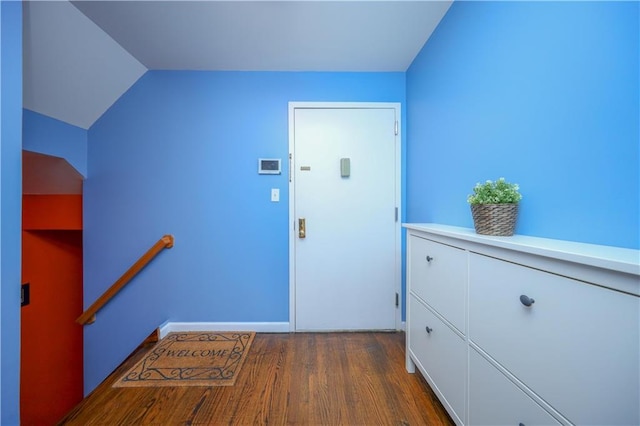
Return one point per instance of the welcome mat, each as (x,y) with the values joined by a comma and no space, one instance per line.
(191,359)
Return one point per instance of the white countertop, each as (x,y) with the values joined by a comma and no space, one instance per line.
(606,257)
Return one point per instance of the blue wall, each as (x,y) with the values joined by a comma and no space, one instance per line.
(53,137)
(542,93)
(10,208)
(178,154)
(545,94)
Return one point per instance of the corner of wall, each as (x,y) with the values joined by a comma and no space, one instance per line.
(10,207)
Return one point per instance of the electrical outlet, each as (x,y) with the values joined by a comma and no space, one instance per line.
(275,195)
(25,297)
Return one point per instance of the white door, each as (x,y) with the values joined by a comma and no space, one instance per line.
(344,184)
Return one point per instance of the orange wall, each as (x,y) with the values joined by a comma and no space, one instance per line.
(51,371)
(52,212)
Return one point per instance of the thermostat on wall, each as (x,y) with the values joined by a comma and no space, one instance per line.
(269,166)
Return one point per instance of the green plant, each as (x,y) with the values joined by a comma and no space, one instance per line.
(498,192)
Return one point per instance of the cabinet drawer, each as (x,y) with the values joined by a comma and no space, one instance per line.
(577,346)
(438,275)
(440,354)
(496,400)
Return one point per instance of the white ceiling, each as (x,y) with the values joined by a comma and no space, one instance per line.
(72,70)
(81,56)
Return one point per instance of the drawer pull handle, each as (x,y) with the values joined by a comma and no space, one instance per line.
(429,330)
(526,300)
(429,258)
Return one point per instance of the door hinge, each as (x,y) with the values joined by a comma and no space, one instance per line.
(290,163)
(396,214)
(397,300)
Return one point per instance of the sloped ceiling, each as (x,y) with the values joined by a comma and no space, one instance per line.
(72,70)
(80,57)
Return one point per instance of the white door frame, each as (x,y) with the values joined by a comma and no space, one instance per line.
(292,230)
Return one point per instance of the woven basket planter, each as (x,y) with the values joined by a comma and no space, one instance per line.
(495,219)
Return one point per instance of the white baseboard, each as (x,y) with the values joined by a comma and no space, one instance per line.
(259,327)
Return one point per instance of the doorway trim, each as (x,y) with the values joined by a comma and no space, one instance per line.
(398,197)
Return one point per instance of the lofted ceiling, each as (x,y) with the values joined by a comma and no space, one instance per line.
(81,56)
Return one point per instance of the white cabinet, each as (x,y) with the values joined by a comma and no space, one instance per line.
(575,336)
(441,354)
(496,400)
(437,307)
(531,330)
(436,277)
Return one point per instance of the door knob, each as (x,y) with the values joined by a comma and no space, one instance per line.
(302,228)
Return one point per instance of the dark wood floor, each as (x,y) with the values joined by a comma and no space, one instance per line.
(295,379)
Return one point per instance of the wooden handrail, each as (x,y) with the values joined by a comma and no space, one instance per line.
(89,316)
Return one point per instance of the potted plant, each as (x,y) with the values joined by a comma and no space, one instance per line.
(494,207)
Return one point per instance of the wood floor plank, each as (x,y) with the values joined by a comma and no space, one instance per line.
(287,379)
